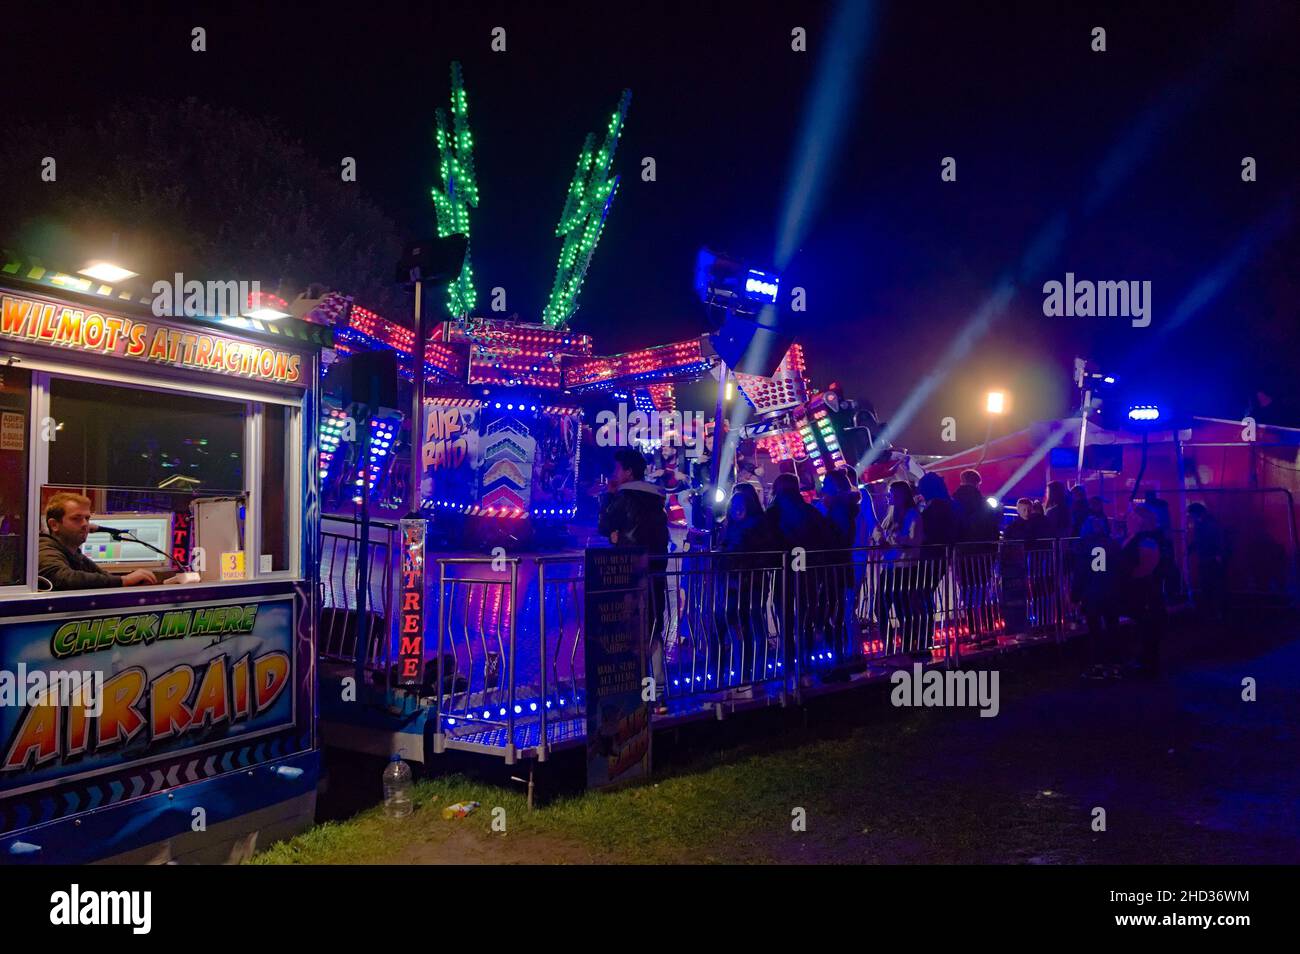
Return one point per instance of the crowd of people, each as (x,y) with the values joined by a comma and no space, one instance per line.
(1110,570)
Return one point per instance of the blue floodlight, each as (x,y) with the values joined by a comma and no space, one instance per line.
(1144,412)
(761,285)
(728,282)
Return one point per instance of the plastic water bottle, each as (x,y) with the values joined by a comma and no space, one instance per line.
(398,801)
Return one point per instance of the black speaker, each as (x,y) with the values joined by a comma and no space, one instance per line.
(370,378)
(436,260)
(748,347)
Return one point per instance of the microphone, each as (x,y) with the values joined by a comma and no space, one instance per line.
(117,534)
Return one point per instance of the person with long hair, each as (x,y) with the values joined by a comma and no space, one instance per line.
(1142,559)
(739,586)
(742,530)
(1206,562)
(840,502)
(901,535)
(1078,509)
(975,554)
(794,524)
(939,528)
(1095,583)
(1056,509)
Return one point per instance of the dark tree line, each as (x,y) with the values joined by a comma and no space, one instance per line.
(165,187)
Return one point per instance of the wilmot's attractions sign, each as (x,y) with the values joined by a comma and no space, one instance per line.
(80,329)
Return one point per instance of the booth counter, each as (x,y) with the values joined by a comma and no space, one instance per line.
(170,720)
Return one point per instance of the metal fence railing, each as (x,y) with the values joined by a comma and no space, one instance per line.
(731,629)
(342,550)
(477,662)
(718,622)
(505,668)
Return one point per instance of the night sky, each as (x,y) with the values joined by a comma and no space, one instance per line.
(893,260)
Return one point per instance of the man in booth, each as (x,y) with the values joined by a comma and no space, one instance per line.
(67,524)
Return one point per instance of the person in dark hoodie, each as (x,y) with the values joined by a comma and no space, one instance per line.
(1079,511)
(840,501)
(1056,510)
(1096,586)
(939,529)
(744,530)
(1206,562)
(938,516)
(977,522)
(793,522)
(978,527)
(741,576)
(632,514)
(1142,559)
(1026,525)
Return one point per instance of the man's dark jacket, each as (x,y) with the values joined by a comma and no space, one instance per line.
(636,513)
(71,570)
(793,522)
(976,520)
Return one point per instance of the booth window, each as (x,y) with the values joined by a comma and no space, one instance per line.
(276,483)
(131,438)
(15,450)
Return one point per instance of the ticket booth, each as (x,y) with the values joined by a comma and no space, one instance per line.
(170,718)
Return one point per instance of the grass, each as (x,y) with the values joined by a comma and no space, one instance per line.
(1184,777)
(371,838)
(705,810)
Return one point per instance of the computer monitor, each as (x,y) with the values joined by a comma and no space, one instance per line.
(154,528)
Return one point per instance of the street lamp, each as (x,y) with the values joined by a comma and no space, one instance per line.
(995,403)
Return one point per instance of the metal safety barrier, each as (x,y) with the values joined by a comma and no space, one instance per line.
(342,550)
(726,630)
(475,653)
(505,671)
(717,622)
